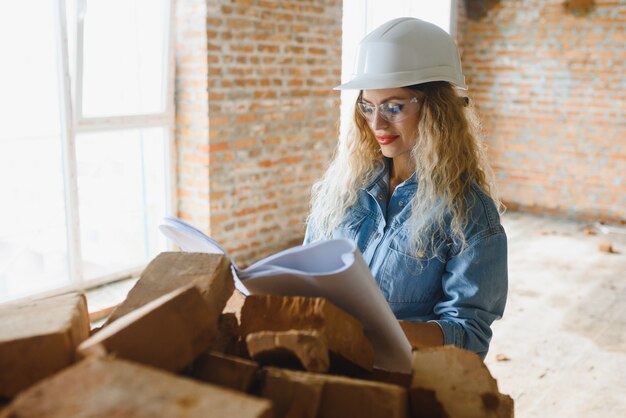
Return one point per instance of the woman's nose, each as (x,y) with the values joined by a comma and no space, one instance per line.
(378,122)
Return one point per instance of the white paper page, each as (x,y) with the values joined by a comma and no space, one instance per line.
(340,275)
(332,269)
(188,238)
(192,240)
(319,257)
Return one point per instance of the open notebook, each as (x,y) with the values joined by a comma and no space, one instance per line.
(332,269)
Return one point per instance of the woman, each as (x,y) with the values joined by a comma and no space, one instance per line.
(412,187)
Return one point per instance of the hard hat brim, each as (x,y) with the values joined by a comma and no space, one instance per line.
(401,79)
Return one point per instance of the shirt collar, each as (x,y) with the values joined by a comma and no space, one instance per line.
(380,174)
(381,177)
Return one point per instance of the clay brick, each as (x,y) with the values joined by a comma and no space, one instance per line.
(290,349)
(210,273)
(227,339)
(606,247)
(452,382)
(235,304)
(224,370)
(384,376)
(301,394)
(106,387)
(169,332)
(343,334)
(39,338)
(293,394)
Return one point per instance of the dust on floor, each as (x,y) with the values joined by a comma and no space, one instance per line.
(560,350)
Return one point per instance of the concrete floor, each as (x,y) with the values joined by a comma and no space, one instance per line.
(563,335)
(564,330)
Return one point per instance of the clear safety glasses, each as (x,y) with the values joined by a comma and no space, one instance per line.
(392,111)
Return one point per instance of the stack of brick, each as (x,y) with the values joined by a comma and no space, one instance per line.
(173,348)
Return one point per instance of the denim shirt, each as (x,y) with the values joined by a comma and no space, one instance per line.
(462,291)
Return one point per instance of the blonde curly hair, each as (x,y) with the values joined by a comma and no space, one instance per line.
(448,156)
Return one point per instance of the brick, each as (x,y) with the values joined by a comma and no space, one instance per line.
(39,338)
(441,386)
(606,247)
(343,334)
(227,338)
(106,387)
(210,273)
(350,397)
(228,371)
(235,304)
(168,333)
(294,348)
(384,376)
(293,394)
(301,394)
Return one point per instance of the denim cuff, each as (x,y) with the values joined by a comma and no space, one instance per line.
(453,333)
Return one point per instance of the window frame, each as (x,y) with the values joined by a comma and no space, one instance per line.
(73,124)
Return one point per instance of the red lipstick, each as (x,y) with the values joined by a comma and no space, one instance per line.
(386,139)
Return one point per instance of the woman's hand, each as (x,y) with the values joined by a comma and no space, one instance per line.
(422,334)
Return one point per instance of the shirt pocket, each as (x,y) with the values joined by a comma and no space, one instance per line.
(408,277)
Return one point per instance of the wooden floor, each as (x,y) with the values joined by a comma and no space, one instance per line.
(564,329)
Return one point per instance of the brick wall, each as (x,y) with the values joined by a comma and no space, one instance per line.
(550,88)
(192,112)
(257,118)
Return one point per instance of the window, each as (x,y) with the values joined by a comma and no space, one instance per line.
(362,16)
(85,140)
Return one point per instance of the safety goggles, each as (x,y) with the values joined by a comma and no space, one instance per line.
(392,111)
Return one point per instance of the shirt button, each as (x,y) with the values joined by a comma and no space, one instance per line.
(378,235)
(401,203)
(421,253)
(380,197)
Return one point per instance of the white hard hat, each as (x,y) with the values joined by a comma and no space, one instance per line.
(404,52)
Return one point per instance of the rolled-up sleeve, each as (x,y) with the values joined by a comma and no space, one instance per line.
(475,285)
